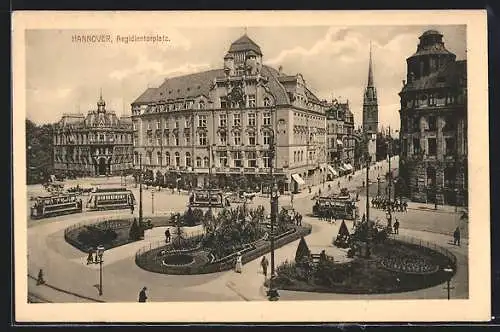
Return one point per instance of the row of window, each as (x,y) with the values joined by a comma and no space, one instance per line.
(91,138)
(238,159)
(203,139)
(429,123)
(431,143)
(431,100)
(202,121)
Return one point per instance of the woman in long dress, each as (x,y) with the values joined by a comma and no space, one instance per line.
(239,264)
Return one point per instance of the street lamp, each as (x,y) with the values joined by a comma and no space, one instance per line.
(99,260)
(272,293)
(449,274)
(456,199)
(152,201)
(140,192)
(378,185)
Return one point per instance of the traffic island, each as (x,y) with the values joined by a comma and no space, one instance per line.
(229,234)
(395,265)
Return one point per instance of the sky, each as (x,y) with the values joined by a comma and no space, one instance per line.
(63,76)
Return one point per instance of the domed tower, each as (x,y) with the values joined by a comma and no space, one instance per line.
(430,57)
(101,104)
(246,54)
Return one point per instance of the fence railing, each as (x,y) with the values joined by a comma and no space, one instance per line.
(426,244)
(189,237)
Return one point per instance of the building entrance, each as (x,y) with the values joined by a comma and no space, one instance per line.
(102,167)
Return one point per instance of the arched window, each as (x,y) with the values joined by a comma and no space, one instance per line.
(188,159)
(206,162)
(167,159)
(158,158)
(177,159)
(267,101)
(201,105)
(198,162)
(431,176)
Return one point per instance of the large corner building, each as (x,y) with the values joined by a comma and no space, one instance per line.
(224,120)
(433,164)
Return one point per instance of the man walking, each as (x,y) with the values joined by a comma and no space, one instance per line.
(456,237)
(396,226)
(142,295)
(167,235)
(264,263)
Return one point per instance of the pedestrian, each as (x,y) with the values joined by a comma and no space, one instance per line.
(90,257)
(363,185)
(291,199)
(142,295)
(40,280)
(357,197)
(309,187)
(179,190)
(239,265)
(338,183)
(167,235)
(396,226)
(264,263)
(132,208)
(456,236)
(300,220)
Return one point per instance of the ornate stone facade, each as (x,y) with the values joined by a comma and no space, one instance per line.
(433,163)
(225,118)
(97,144)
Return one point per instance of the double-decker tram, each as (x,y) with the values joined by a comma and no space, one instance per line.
(206,198)
(337,207)
(55,205)
(111,199)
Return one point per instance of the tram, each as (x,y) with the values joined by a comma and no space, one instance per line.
(55,205)
(339,207)
(111,199)
(206,198)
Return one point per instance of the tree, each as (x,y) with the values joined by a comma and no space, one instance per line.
(39,150)
(134,233)
(303,253)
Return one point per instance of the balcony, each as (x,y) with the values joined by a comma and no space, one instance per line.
(249,169)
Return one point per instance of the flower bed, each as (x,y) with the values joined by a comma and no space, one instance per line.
(421,267)
(108,233)
(203,264)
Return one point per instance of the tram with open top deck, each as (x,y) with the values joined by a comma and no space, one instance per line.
(208,198)
(341,206)
(111,199)
(55,205)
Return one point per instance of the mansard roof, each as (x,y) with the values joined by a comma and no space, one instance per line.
(452,75)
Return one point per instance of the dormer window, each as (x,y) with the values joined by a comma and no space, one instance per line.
(267,102)
(201,105)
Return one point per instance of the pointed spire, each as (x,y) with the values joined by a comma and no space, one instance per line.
(370,68)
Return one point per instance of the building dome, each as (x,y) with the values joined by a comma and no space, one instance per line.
(244,43)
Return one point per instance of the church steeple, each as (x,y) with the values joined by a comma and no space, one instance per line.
(370,69)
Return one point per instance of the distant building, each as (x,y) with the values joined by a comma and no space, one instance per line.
(341,138)
(370,113)
(433,164)
(97,144)
(224,119)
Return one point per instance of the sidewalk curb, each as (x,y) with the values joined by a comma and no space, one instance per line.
(66,292)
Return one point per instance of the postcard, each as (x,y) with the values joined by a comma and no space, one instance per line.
(264,166)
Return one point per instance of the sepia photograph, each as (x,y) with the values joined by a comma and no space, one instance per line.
(231,166)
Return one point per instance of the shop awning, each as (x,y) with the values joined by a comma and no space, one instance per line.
(348,167)
(342,169)
(333,171)
(339,142)
(298,179)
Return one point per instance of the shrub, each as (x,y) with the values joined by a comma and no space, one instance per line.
(134,233)
(92,236)
(303,252)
